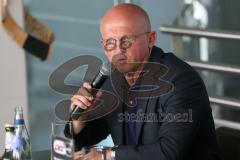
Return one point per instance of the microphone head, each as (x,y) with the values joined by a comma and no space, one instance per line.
(106,69)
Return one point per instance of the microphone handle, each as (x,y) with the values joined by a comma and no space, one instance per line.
(96,84)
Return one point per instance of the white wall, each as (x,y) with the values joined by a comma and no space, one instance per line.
(13,90)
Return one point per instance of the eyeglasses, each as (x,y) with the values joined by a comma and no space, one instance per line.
(125,42)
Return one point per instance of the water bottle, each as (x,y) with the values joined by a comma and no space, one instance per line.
(21,142)
(7,155)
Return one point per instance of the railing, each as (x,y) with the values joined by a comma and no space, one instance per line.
(215,67)
(229,69)
(215,34)
(235,104)
(225,123)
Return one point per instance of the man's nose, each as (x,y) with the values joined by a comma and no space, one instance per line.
(119,49)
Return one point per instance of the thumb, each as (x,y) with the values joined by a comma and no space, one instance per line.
(87,85)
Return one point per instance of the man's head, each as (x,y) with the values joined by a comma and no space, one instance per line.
(127,37)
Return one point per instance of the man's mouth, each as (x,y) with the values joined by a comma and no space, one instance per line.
(123,60)
(119,59)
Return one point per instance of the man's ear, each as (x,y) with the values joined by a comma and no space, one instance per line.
(152,39)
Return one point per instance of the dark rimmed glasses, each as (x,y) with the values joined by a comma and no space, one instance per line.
(126,42)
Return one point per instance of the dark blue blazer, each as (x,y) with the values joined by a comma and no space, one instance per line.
(183,130)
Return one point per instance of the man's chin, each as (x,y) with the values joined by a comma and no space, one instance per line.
(123,68)
(126,67)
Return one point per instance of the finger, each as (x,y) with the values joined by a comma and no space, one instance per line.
(87,85)
(97,99)
(78,155)
(77,158)
(84,92)
(78,103)
(88,157)
(83,100)
(94,155)
(99,94)
(72,106)
(79,97)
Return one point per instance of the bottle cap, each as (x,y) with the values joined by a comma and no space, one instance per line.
(19,109)
(9,127)
(18,120)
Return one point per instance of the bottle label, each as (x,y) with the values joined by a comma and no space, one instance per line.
(8,141)
(19,121)
(18,144)
(20,148)
(62,148)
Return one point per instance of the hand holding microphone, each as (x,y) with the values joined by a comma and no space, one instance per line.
(85,98)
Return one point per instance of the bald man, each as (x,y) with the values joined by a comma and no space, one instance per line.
(182,128)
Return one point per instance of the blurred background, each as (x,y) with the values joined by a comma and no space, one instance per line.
(205,33)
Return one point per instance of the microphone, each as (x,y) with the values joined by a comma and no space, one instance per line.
(97,82)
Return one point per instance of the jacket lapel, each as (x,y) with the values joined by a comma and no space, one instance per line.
(142,105)
(114,119)
(117,126)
